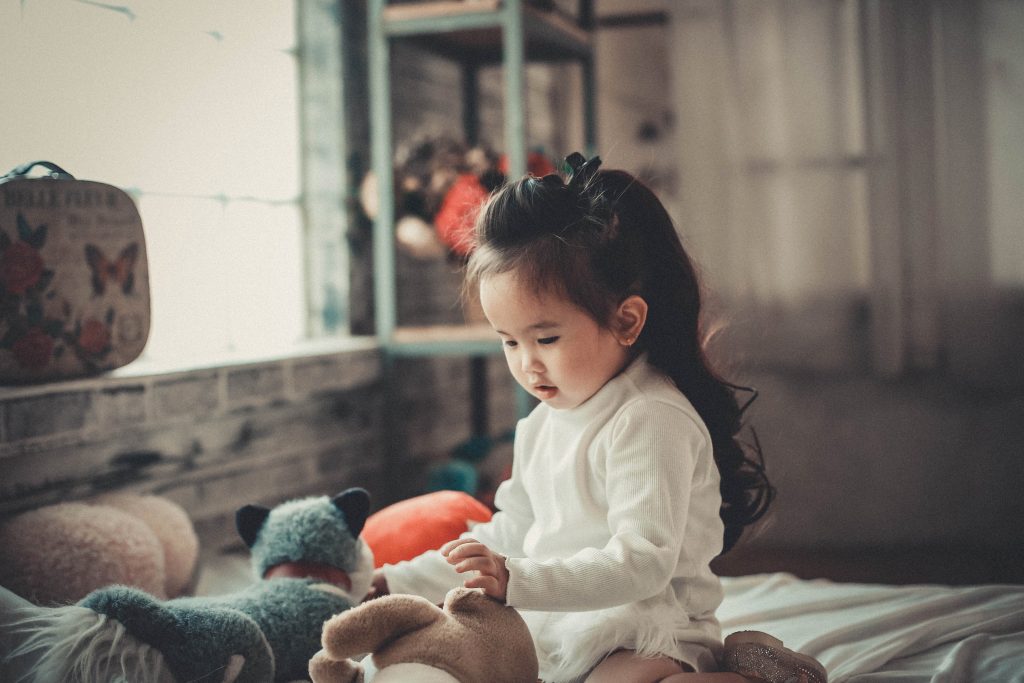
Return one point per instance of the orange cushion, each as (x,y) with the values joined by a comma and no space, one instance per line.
(410,527)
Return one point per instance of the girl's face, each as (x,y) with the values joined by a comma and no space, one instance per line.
(554,349)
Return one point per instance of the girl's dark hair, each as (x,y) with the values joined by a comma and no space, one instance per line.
(598,238)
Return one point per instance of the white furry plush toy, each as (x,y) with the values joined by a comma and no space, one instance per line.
(310,562)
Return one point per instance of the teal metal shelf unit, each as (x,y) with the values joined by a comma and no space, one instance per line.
(473,34)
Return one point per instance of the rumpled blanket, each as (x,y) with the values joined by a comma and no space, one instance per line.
(867,632)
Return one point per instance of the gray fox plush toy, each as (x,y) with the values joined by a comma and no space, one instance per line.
(311,564)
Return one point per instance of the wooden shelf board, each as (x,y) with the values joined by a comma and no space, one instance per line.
(411,11)
(473,339)
(470,31)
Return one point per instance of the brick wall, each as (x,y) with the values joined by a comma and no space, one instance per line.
(432,410)
(211,440)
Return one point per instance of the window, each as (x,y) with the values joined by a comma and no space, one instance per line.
(193,108)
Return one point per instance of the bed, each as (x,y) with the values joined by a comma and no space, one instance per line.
(861,632)
(867,632)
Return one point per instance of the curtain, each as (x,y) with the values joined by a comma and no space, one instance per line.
(836,165)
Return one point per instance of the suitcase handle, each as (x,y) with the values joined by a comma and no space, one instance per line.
(55,171)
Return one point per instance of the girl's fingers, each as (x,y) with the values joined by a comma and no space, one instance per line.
(485,565)
(469,555)
(466,550)
(452,545)
(490,585)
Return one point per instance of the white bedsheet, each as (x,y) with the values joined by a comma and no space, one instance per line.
(867,633)
(862,633)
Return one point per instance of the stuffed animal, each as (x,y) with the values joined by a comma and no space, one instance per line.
(472,639)
(58,554)
(172,527)
(440,184)
(405,529)
(311,564)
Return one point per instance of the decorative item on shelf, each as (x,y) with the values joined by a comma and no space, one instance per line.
(453,475)
(476,467)
(454,220)
(74,279)
(440,184)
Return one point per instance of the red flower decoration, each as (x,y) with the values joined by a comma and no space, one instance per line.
(454,220)
(537,165)
(94,337)
(33,349)
(21,267)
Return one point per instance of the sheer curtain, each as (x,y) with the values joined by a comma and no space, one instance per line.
(843,183)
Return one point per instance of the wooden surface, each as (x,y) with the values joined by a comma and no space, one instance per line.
(433,10)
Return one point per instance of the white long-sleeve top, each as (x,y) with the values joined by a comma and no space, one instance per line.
(609,522)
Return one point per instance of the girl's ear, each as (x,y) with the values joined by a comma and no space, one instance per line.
(629,319)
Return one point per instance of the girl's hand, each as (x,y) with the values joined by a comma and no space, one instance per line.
(468,554)
(378,586)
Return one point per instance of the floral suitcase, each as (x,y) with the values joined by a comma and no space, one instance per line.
(74,280)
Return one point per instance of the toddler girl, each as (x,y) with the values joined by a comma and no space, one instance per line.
(627,478)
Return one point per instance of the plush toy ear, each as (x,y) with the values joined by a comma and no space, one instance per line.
(354,504)
(249,520)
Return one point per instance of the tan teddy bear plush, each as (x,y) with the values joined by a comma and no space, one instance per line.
(472,639)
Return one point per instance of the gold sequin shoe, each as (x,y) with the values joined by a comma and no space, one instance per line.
(759,656)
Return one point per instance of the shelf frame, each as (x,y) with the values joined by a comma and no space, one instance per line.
(549,36)
(525,33)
